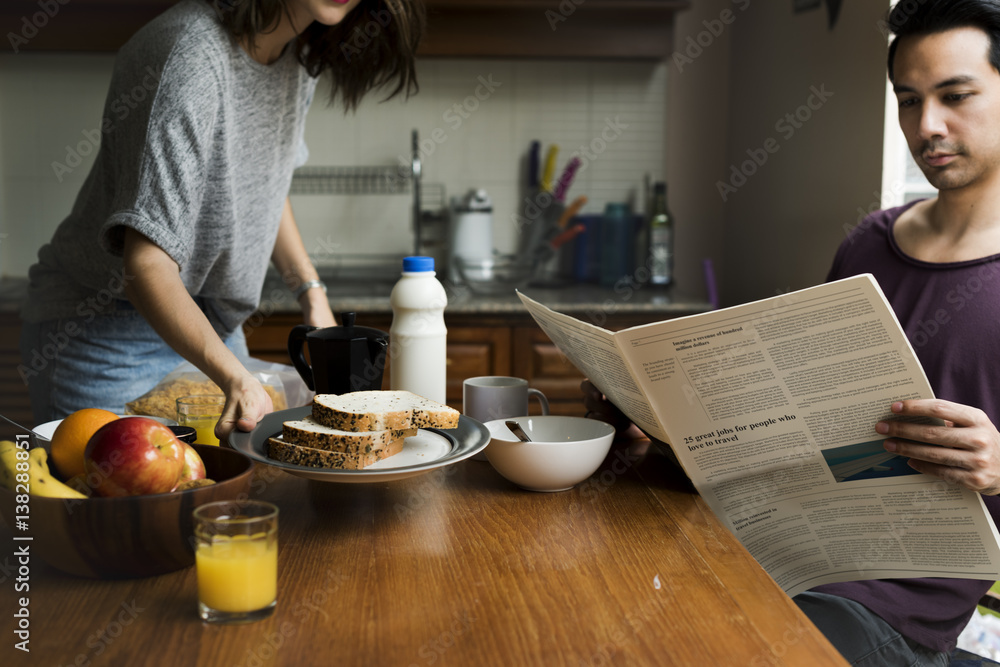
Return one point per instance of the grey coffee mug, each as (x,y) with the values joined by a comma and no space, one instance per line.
(490,397)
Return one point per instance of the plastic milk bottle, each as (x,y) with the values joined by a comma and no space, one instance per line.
(418,336)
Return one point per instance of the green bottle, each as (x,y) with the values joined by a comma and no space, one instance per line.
(661,238)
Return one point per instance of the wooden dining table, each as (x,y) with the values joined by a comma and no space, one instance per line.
(454,567)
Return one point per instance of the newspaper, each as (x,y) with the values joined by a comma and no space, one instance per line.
(771,409)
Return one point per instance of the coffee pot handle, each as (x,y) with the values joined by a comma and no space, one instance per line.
(378,349)
(296,340)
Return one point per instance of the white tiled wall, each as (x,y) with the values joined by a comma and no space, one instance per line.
(48,101)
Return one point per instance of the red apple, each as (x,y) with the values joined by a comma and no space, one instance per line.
(133,456)
(194,467)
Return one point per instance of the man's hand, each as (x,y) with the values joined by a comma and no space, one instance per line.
(599,407)
(965,451)
(627,434)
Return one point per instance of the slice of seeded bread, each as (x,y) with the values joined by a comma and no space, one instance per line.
(381,410)
(288,452)
(310,433)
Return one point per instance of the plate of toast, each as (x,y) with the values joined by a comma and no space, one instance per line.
(363,436)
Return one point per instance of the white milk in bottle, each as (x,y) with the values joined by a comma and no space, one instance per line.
(418,336)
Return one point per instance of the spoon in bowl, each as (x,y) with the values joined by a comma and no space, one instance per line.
(516,429)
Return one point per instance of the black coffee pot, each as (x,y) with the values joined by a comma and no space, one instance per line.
(344,359)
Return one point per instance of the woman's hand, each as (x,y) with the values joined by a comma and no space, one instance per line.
(964,451)
(246,404)
(316,309)
(157,292)
(160,296)
(292,261)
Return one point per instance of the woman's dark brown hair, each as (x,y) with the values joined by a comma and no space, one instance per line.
(374,46)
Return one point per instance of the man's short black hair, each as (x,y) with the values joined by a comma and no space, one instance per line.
(924,17)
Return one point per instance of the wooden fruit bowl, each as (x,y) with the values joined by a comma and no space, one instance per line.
(135,536)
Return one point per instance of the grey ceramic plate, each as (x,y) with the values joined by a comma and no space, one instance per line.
(428,450)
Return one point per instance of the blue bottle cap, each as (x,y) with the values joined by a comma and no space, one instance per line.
(418,264)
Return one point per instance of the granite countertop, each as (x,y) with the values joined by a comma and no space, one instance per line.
(576,298)
(373,298)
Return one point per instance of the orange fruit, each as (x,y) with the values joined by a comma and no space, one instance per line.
(71,436)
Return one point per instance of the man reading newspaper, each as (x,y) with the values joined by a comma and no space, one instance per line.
(938,263)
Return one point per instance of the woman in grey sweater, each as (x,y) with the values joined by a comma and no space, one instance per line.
(165,251)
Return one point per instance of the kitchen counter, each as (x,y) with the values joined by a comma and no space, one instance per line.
(373,298)
(576,299)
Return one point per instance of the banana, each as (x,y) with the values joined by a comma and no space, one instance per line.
(7,480)
(40,480)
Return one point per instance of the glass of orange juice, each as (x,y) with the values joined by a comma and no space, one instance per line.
(201,412)
(236,559)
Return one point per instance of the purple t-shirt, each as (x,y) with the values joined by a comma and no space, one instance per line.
(951,314)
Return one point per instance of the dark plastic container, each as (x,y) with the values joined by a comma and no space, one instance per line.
(617,244)
(586,260)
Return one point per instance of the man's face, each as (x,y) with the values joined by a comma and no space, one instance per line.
(949,106)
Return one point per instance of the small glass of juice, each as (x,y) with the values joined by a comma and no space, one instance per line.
(236,560)
(201,412)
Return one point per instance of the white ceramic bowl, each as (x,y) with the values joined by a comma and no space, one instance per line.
(564,450)
(48,428)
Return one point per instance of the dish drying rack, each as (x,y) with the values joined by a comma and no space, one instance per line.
(351,181)
(380,180)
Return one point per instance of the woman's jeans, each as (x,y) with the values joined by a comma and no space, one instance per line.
(97,361)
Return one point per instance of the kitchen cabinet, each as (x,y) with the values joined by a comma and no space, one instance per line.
(547,28)
(473,349)
(477,345)
(625,29)
(75,25)
(548,370)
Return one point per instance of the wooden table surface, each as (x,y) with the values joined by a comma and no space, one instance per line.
(455,567)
